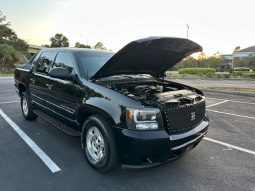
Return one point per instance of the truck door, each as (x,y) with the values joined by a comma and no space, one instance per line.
(62,94)
(39,84)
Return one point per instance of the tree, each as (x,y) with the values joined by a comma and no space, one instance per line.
(236,49)
(8,57)
(19,44)
(59,40)
(46,45)
(11,47)
(79,45)
(202,56)
(248,62)
(3,19)
(216,62)
(99,46)
(4,28)
(251,62)
(8,36)
(188,62)
(201,59)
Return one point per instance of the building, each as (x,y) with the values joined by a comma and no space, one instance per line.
(32,49)
(244,53)
(228,60)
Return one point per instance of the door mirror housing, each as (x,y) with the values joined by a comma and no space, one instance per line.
(61,73)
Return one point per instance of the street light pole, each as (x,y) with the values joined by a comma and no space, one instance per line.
(187,31)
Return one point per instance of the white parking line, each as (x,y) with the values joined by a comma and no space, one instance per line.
(230,146)
(217,103)
(231,100)
(231,114)
(5,102)
(42,155)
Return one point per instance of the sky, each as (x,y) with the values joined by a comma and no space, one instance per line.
(217,25)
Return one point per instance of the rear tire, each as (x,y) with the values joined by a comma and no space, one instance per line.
(98,144)
(27,107)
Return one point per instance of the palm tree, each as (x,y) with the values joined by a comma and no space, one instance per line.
(99,46)
(59,40)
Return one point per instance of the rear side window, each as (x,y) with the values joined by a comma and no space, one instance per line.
(44,63)
(63,60)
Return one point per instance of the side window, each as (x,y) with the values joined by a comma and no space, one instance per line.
(44,63)
(63,60)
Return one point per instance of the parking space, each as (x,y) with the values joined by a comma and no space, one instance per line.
(242,109)
(211,166)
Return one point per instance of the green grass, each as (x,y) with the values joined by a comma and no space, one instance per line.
(6,74)
(197,70)
(216,75)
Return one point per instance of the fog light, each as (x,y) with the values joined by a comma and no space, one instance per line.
(145,126)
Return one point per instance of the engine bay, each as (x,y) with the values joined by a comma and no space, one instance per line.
(158,94)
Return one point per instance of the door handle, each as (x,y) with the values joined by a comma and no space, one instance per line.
(32,80)
(49,86)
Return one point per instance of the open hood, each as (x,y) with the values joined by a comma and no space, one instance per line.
(153,55)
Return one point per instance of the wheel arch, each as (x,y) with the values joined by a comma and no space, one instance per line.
(85,111)
(22,88)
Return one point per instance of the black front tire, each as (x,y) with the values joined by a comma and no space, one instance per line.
(110,157)
(27,107)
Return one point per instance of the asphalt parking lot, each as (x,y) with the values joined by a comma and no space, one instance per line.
(224,160)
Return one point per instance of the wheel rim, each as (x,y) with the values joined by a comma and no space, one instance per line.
(95,145)
(24,106)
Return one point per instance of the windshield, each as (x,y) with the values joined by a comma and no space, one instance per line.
(90,62)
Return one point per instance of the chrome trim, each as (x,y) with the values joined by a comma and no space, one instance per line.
(61,107)
(74,121)
(189,142)
(41,74)
(36,96)
(23,69)
(199,128)
(67,108)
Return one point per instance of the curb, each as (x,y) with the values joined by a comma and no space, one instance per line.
(233,79)
(229,92)
(6,77)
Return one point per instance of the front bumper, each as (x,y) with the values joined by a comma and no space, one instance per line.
(141,149)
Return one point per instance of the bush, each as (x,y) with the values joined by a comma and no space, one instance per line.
(8,58)
(197,71)
(236,73)
(222,74)
(242,69)
(248,74)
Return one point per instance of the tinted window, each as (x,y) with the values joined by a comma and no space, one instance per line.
(44,63)
(63,60)
(91,62)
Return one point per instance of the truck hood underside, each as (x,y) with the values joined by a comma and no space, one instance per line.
(153,55)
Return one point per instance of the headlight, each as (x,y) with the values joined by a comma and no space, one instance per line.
(143,119)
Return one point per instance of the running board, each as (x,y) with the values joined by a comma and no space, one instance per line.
(59,124)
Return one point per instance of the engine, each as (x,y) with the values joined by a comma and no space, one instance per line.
(158,94)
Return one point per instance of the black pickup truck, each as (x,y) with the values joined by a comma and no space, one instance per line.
(119,104)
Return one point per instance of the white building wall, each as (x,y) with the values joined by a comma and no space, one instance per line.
(243,54)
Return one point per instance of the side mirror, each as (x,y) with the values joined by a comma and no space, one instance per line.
(61,73)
